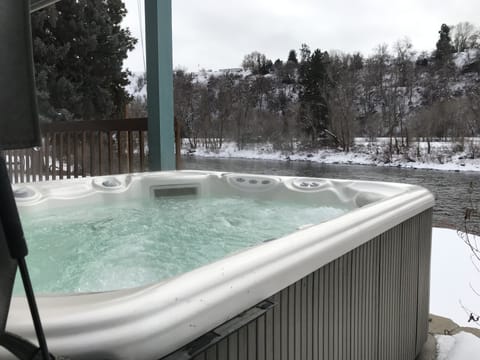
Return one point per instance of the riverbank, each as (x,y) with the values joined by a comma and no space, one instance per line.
(445,156)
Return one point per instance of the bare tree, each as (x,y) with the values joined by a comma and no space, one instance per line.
(470,236)
(465,36)
(183,95)
(342,99)
(403,83)
(257,63)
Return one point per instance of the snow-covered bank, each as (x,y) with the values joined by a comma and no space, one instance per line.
(454,278)
(462,346)
(441,157)
(453,275)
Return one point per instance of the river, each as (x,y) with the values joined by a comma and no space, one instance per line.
(451,189)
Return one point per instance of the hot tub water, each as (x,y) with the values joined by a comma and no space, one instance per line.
(127,244)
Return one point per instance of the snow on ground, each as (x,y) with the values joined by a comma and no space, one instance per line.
(462,346)
(454,278)
(441,157)
(451,295)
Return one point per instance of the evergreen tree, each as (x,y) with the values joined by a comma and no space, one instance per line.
(292,57)
(79,48)
(445,49)
(314,81)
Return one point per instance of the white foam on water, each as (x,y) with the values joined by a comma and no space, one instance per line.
(127,244)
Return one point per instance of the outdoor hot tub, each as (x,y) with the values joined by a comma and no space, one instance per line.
(210,265)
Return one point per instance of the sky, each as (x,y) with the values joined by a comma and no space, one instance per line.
(217,34)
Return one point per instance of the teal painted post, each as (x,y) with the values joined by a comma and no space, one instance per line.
(158,29)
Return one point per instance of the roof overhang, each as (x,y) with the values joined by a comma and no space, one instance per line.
(36,5)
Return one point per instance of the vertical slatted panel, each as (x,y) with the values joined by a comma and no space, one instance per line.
(354,306)
(251,340)
(321,314)
(291,322)
(297,319)
(373,275)
(211,354)
(100,152)
(130,151)
(67,155)
(232,342)
(119,151)
(309,313)
(389,314)
(84,153)
(28,165)
(303,319)
(37,171)
(142,150)
(73,149)
(315,317)
(45,157)
(269,335)
(424,254)
(76,160)
(15,162)
(410,263)
(333,309)
(347,315)
(261,338)
(369,304)
(242,343)
(222,349)
(284,323)
(277,325)
(327,313)
(60,155)
(110,152)
(93,151)
(21,165)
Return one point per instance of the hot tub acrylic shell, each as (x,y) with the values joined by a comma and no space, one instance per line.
(152,321)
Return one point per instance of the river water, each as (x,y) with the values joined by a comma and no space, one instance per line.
(451,189)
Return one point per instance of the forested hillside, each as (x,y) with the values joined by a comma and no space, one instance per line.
(316,98)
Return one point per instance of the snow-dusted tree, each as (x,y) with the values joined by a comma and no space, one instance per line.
(257,63)
(224,105)
(465,36)
(444,45)
(404,81)
(305,53)
(183,92)
(292,57)
(314,81)
(342,99)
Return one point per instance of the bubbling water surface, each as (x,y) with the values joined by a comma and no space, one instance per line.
(128,244)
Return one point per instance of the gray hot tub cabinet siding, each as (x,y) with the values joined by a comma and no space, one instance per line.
(369,304)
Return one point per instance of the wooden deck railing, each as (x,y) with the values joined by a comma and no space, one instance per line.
(83,148)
